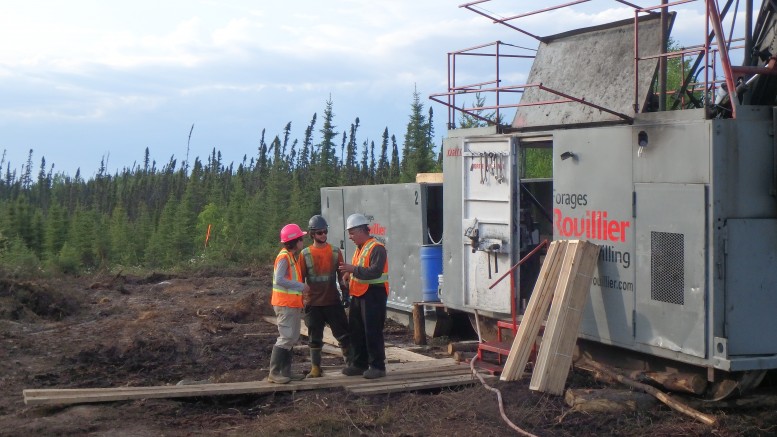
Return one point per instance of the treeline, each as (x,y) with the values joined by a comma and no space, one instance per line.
(156,215)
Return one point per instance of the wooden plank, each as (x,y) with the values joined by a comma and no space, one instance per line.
(391,369)
(463,346)
(395,372)
(544,364)
(419,324)
(535,313)
(555,356)
(386,382)
(572,316)
(429,178)
(415,385)
(393,353)
(31,398)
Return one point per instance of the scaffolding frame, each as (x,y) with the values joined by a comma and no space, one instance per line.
(714,53)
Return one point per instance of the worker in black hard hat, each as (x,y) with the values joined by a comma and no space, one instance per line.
(323,302)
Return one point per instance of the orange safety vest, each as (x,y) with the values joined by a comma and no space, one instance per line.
(281,296)
(361,258)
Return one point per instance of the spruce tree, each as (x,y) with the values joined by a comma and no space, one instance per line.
(419,148)
(396,166)
(326,168)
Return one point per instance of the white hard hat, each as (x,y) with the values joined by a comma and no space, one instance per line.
(355,220)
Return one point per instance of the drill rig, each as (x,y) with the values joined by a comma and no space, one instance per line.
(666,158)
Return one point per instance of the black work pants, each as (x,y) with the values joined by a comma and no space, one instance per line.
(317,317)
(366,319)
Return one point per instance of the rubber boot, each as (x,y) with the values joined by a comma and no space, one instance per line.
(286,369)
(277,359)
(315,364)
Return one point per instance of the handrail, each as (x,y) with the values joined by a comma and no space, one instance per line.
(533,251)
(712,52)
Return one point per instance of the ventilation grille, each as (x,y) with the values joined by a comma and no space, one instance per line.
(667,267)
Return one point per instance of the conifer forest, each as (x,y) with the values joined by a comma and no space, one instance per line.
(200,211)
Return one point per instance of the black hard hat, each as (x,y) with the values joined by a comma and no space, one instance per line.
(317,222)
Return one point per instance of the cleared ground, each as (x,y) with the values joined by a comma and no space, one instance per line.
(156,330)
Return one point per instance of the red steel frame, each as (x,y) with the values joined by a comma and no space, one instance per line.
(711,56)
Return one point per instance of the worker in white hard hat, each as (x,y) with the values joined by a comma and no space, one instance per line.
(367,276)
(287,290)
(323,303)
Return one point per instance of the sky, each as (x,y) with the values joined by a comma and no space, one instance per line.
(85,81)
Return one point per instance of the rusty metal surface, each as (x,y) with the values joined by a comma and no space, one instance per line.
(594,64)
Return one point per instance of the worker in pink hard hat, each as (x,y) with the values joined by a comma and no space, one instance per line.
(287,290)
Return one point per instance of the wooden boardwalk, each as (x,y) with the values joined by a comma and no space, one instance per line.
(435,373)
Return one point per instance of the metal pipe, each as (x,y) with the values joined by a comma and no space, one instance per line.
(583,101)
(497,120)
(496,20)
(636,61)
(481,46)
(512,269)
(450,104)
(748,58)
(453,86)
(774,154)
(707,57)
(662,64)
(753,70)
(712,9)
(503,55)
(540,11)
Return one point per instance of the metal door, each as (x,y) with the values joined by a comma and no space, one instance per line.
(751,286)
(488,211)
(670,289)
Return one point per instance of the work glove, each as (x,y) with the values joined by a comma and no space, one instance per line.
(345,298)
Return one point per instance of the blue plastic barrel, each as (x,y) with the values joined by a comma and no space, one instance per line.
(431,267)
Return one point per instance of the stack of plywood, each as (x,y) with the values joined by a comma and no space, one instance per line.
(563,283)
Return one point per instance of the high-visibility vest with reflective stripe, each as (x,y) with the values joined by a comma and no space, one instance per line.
(311,275)
(283,296)
(361,258)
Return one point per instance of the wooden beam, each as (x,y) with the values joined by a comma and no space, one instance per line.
(608,400)
(419,324)
(394,373)
(535,313)
(414,385)
(683,382)
(558,342)
(429,178)
(669,401)
(463,346)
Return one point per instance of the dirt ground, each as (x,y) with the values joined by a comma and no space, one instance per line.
(157,330)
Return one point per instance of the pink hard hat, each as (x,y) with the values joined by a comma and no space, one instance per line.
(291,232)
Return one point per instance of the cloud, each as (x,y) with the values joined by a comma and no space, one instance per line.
(130,75)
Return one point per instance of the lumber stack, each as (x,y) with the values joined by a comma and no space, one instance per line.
(558,341)
(535,312)
(562,286)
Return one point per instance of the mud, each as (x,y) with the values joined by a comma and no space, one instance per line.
(160,329)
